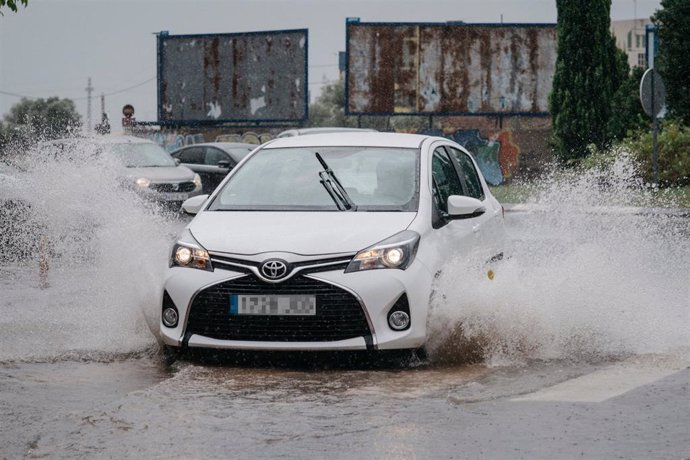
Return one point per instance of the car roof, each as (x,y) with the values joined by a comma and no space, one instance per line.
(115,139)
(358,139)
(321,130)
(222,145)
(100,140)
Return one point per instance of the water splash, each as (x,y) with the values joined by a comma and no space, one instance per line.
(106,250)
(592,276)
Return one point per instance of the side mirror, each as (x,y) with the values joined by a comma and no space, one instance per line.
(464,207)
(224,164)
(193,205)
(177,162)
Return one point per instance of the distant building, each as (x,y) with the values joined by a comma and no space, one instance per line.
(630,37)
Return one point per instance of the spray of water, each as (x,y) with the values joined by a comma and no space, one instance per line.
(105,250)
(592,275)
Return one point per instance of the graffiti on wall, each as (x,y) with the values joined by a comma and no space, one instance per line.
(497,155)
(249,137)
(171,140)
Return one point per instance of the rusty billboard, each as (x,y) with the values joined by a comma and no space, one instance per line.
(450,68)
(253,77)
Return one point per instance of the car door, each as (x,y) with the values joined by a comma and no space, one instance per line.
(190,157)
(217,165)
(458,237)
(492,223)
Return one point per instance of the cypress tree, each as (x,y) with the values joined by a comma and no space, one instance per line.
(587,76)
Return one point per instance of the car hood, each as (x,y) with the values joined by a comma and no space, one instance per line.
(162,173)
(305,233)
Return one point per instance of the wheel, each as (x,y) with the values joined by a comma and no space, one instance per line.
(171,354)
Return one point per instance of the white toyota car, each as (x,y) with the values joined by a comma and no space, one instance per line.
(327,242)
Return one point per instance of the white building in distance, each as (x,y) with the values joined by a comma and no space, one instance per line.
(630,37)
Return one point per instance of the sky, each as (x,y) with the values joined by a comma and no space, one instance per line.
(51,47)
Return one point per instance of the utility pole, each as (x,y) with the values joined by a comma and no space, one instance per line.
(102,104)
(89,90)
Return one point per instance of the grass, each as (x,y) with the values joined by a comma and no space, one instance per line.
(513,193)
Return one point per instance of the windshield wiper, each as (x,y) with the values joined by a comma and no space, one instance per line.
(334,188)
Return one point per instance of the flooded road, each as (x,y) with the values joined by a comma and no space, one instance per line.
(139,408)
(581,348)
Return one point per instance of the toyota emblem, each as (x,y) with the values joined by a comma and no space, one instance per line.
(274,269)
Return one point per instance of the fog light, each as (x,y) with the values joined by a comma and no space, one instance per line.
(170,317)
(398,320)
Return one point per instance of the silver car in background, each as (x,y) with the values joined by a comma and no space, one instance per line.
(150,170)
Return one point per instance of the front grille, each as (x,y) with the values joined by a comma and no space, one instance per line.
(339,315)
(166,188)
(304,267)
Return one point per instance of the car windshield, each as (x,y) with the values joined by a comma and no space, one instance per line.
(374,179)
(141,155)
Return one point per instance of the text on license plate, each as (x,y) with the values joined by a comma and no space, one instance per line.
(173,196)
(297,305)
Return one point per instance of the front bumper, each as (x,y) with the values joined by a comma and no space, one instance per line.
(201,298)
(170,192)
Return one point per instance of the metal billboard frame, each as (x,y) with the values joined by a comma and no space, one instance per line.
(358,23)
(234,122)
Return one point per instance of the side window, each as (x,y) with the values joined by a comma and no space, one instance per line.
(213,156)
(192,155)
(445,179)
(468,174)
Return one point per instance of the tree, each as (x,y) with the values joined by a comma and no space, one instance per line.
(42,119)
(12,4)
(627,114)
(673,60)
(588,73)
(329,107)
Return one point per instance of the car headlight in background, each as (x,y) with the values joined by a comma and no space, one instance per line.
(143,182)
(197,182)
(187,252)
(398,251)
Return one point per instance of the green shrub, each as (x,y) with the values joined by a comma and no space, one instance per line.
(674,154)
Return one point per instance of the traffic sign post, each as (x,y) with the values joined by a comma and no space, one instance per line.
(128,119)
(653,98)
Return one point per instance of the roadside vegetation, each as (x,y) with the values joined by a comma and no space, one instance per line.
(31,120)
(635,152)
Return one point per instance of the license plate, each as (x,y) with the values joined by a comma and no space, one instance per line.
(173,196)
(287,305)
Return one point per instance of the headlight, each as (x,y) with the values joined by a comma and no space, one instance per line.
(143,182)
(197,182)
(187,252)
(398,251)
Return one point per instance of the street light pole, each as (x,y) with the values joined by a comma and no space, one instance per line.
(89,90)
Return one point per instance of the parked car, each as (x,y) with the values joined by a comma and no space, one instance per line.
(328,242)
(149,168)
(212,161)
(322,130)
